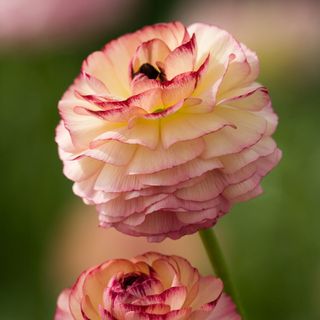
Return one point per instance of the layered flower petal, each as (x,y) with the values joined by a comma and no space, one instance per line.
(166,128)
(151,286)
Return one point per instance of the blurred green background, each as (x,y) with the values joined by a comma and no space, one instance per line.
(272,243)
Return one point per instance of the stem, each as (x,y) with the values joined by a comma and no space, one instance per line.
(215,255)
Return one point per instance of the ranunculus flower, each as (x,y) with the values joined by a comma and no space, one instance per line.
(150,287)
(166,128)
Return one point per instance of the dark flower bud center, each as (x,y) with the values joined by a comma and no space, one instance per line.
(150,71)
(132,278)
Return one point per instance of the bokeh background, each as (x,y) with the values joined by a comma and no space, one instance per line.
(48,236)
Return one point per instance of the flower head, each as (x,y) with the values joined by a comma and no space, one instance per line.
(151,286)
(166,128)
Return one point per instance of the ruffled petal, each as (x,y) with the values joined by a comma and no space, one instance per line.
(104,68)
(178,174)
(212,184)
(149,161)
(181,60)
(150,52)
(210,39)
(117,210)
(225,310)
(81,169)
(115,179)
(187,126)
(248,98)
(112,152)
(210,289)
(63,310)
(144,133)
(179,88)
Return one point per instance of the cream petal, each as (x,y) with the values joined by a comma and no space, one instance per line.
(119,208)
(243,119)
(171,203)
(63,310)
(172,315)
(210,76)
(227,63)
(181,173)
(266,163)
(249,130)
(208,188)
(144,132)
(152,309)
(88,85)
(150,191)
(115,179)
(82,128)
(63,139)
(149,257)
(182,127)
(210,289)
(181,60)
(236,190)
(81,169)
(150,52)
(235,75)
(179,88)
(172,33)
(88,309)
(210,39)
(122,114)
(135,219)
(228,141)
(85,190)
(149,161)
(148,100)
(188,275)
(112,152)
(248,195)
(271,117)
(248,99)
(235,162)
(145,101)
(118,53)
(253,62)
(101,65)
(76,295)
(141,83)
(174,297)
(225,309)
(163,113)
(149,287)
(165,272)
(198,217)
(157,225)
(97,279)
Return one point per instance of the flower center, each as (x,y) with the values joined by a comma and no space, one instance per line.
(149,70)
(129,279)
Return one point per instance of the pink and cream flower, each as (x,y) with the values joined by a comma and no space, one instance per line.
(148,287)
(165,128)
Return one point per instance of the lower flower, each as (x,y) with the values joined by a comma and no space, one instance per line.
(151,287)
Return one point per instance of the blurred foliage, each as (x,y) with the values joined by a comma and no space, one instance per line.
(272,242)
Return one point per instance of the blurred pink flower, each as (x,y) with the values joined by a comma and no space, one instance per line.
(52,20)
(166,128)
(151,286)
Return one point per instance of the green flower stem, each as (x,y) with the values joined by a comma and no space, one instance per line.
(219,266)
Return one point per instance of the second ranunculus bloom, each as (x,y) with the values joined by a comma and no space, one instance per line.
(150,287)
(166,128)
